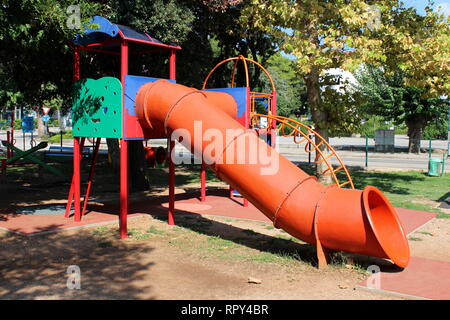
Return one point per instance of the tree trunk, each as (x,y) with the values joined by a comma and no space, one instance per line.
(114,153)
(138,178)
(40,124)
(319,118)
(136,162)
(415,130)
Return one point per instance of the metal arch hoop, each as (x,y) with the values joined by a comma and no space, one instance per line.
(244,61)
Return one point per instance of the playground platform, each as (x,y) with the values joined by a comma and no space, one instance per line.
(422,279)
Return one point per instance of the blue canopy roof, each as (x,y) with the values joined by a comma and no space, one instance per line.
(106,31)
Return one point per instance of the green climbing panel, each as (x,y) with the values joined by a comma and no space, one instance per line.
(97,108)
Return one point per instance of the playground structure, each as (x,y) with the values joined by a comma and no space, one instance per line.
(140,108)
(14,154)
(10,141)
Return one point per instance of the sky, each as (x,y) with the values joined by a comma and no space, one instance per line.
(420,5)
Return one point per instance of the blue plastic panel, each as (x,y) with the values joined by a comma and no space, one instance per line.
(239,94)
(105,30)
(132,128)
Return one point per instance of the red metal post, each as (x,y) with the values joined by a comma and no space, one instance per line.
(91,175)
(75,77)
(123,151)
(203,182)
(3,165)
(171,219)
(273,133)
(72,187)
(123,188)
(245,202)
(172,64)
(76,177)
(12,131)
(76,63)
(8,139)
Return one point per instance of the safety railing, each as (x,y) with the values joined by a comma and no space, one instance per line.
(301,133)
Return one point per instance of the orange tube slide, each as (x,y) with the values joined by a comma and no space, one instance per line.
(357,221)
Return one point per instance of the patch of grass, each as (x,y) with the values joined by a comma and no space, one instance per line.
(132,232)
(415,239)
(155,230)
(250,232)
(426,233)
(178,229)
(285,237)
(203,222)
(100,231)
(138,234)
(401,203)
(402,187)
(141,236)
(443,215)
(105,244)
(57,136)
(220,242)
(340,260)
(281,257)
(270,227)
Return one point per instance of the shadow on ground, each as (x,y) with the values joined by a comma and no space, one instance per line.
(286,247)
(35,267)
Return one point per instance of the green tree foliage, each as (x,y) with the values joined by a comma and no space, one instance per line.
(321,35)
(291,100)
(419,46)
(389,96)
(343,34)
(168,21)
(217,35)
(34,48)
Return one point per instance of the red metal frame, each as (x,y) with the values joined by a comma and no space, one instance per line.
(171,220)
(172,65)
(76,177)
(72,185)
(8,149)
(123,151)
(273,134)
(74,193)
(100,51)
(152,43)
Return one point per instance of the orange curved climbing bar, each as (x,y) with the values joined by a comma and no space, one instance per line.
(358,221)
(246,69)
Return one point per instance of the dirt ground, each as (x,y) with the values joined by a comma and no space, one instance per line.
(202,257)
